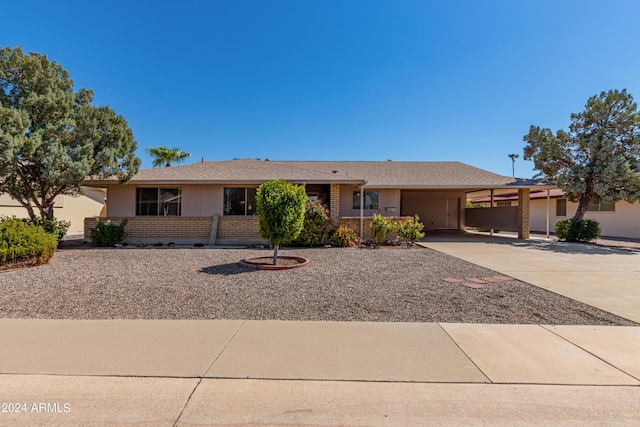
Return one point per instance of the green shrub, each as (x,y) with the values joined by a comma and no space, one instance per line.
(380,227)
(51,226)
(105,234)
(280,207)
(344,237)
(578,231)
(24,244)
(316,222)
(410,230)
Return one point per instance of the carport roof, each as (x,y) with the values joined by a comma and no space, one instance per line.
(379,174)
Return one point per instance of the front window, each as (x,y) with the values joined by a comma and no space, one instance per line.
(602,207)
(370,199)
(158,201)
(240,201)
(561,207)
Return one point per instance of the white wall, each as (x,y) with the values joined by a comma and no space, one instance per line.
(624,222)
(66,208)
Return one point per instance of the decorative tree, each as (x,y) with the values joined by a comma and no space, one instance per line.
(599,158)
(280,207)
(51,138)
(164,156)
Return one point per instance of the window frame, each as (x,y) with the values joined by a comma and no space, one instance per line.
(561,207)
(356,197)
(159,208)
(591,208)
(248,207)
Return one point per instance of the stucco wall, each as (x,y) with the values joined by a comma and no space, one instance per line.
(121,200)
(624,222)
(197,200)
(66,208)
(387,198)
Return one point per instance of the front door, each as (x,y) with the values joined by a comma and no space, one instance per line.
(435,212)
(445,213)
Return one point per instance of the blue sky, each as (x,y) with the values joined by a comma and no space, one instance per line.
(339,80)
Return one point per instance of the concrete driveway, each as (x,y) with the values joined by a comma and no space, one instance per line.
(602,277)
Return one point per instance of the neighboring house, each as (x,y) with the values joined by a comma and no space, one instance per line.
(67,208)
(620,219)
(215,201)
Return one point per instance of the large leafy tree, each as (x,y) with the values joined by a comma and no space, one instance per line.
(598,159)
(280,207)
(51,138)
(164,156)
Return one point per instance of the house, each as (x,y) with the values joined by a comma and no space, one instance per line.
(66,208)
(214,201)
(619,219)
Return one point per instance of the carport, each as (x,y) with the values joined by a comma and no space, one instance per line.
(505,218)
(446,208)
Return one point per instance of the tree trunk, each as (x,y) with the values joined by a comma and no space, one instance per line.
(583,204)
(275,254)
(49,212)
(28,207)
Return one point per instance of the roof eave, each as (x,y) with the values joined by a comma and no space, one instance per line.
(216,182)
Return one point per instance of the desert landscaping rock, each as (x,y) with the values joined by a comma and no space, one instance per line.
(342,284)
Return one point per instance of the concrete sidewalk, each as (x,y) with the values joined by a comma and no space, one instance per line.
(602,277)
(158,372)
(228,372)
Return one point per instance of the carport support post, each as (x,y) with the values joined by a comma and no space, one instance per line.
(334,204)
(362,213)
(491,206)
(548,205)
(524,195)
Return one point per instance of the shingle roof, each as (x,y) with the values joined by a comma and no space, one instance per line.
(412,174)
(247,171)
(381,174)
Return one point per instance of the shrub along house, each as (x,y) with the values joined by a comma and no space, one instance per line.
(214,201)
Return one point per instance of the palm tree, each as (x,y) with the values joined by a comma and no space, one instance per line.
(513,158)
(164,156)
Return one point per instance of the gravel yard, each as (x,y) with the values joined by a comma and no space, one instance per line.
(387,284)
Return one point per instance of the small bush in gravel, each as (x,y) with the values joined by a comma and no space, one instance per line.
(410,230)
(24,244)
(52,226)
(316,222)
(344,237)
(380,227)
(578,231)
(105,234)
(280,207)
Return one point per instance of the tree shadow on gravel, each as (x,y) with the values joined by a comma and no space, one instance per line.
(228,269)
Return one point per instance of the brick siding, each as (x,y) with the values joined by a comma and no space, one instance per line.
(181,229)
(524,211)
(334,203)
(197,229)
